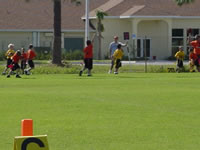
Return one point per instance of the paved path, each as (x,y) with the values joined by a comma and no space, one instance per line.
(158,62)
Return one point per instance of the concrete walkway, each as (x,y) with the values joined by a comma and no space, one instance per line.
(149,62)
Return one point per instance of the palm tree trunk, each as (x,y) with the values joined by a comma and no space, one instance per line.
(57,33)
(99,39)
(99,51)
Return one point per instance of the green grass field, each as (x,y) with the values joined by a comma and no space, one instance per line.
(134,111)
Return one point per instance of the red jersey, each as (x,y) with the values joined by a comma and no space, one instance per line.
(196,45)
(16,58)
(24,56)
(88,51)
(30,54)
(193,56)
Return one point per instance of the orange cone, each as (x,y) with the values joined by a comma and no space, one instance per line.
(27,127)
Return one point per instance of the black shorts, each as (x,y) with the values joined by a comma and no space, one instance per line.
(9,62)
(118,63)
(31,64)
(88,63)
(23,64)
(15,66)
(180,63)
(196,63)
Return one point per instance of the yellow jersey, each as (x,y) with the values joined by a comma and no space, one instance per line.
(10,53)
(118,54)
(180,55)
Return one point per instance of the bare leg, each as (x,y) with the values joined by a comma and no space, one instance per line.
(81,72)
(89,72)
(111,67)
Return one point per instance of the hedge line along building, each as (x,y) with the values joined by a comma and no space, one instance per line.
(159,26)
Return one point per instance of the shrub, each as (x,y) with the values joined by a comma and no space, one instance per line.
(2,55)
(72,55)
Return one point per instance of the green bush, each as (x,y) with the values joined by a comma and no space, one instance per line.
(72,55)
(2,55)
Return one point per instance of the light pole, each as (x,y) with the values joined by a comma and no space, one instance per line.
(86,20)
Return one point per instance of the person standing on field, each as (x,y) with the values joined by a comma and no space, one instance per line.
(112,48)
(117,56)
(23,60)
(88,58)
(30,57)
(196,45)
(193,61)
(180,57)
(10,52)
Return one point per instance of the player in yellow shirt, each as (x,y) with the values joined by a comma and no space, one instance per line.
(10,52)
(118,54)
(180,57)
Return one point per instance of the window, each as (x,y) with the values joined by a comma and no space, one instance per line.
(177,32)
(177,39)
(74,44)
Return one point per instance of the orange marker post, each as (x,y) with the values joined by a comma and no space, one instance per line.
(27,127)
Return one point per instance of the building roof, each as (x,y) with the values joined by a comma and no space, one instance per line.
(38,14)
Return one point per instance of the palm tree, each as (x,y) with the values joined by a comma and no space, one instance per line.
(100,28)
(57,31)
(56,55)
(56,59)
(181,2)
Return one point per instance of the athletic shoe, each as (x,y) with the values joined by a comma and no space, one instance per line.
(13,73)
(110,71)
(18,76)
(27,72)
(3,73)
(80,73)
(115,72)
(89,75)
(8,76)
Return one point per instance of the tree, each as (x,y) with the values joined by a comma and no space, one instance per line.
(56,59)
(57,31)
(181,2)
(100,28)
(56,55)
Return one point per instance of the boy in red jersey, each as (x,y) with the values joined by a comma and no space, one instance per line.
(193,61)
(88,58)
(196,45)
(30,56)
(15,66)
(23,60)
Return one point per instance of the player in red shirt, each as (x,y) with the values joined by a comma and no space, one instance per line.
(30,56)
(15,64)
(23,60)
(193,61)
(88,58)
(196,45)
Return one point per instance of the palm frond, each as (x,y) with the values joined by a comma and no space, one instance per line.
(181,2)
(77,2)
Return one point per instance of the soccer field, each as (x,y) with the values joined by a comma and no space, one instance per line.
(133,111)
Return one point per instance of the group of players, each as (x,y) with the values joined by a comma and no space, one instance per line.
(16,57)
(115,53)
(194,56)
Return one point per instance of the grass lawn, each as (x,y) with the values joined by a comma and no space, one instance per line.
(134,111)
